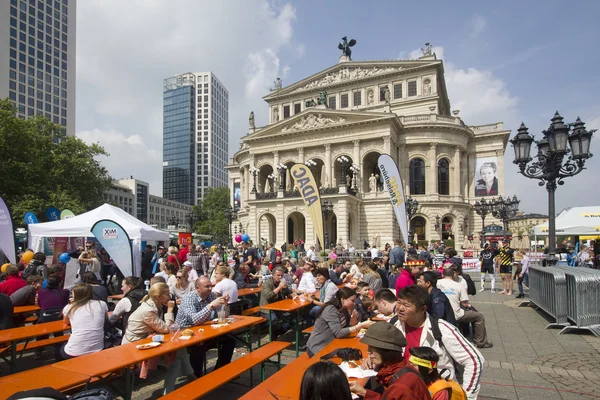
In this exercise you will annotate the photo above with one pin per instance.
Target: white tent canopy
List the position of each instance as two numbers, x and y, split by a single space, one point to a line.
81 225
578 221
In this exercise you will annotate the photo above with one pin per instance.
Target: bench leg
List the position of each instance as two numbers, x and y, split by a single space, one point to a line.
262 372
251 377
13 357
297 333
270 326
278 361
128 385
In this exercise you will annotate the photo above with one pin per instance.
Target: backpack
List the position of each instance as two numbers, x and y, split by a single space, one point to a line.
458 393
471 289
435 329
32 268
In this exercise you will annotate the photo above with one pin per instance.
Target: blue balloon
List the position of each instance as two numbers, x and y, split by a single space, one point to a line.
245 237
64 258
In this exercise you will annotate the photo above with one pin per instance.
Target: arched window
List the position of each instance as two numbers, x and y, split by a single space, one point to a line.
417 176
417 225
443 177
447 228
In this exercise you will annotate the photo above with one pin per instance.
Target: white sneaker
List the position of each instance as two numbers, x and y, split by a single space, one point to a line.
493 291
482 289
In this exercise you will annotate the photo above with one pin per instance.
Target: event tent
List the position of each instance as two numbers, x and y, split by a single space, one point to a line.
577 221
81 225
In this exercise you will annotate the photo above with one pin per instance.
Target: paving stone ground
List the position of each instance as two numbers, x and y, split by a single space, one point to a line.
527 361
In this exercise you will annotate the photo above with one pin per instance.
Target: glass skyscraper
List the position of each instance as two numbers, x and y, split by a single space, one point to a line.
195 135
37 58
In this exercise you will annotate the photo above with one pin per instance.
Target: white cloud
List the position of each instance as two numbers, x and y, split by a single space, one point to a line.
477 25
122 59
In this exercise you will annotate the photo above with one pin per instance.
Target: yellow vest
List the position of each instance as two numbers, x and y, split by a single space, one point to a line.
458 393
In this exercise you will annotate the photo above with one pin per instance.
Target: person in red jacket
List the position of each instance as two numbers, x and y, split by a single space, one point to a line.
386 353
183 254
12 282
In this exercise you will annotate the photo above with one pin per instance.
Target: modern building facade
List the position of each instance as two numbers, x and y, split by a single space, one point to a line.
37 58
166 213
195 135
121 196
339 121
141 192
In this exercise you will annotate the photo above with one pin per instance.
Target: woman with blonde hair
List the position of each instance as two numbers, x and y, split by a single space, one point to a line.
173 256
171 271
182 285
162 271
149 319
86 317
90 259
371 277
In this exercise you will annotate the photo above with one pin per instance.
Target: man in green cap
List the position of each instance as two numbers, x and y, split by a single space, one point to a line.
386 354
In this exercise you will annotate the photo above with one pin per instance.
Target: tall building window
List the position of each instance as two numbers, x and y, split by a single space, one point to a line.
286 111
332 102
443 177
398 91
357 98
417 225
297 108
412 88
344 101
417 176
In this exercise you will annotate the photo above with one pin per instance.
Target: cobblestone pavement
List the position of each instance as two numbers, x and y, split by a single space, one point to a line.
527 361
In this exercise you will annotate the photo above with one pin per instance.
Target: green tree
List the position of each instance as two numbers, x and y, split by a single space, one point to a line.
209 215
42 167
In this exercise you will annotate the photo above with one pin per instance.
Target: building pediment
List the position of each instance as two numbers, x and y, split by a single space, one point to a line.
317 118
343 73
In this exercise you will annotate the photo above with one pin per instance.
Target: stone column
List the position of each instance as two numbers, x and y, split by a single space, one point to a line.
500 171
341 210
275 161
301 155
431 170
358 161
455 187
464 175
328 164
387 144
402 167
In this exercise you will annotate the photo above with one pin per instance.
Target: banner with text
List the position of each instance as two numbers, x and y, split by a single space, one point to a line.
7 233
116 242
53 214
309 190
185 238
393 185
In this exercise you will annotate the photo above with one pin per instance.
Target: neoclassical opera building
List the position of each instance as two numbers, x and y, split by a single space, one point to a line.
338 121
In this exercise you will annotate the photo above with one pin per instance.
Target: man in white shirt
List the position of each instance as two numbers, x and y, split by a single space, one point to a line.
463 311
374 252
192 274
310 254
308 283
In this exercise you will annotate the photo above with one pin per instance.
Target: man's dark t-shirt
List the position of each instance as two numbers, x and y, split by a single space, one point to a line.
250 252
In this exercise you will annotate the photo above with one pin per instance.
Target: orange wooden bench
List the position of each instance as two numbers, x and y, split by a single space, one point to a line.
309 329
206 384
251 311
31 319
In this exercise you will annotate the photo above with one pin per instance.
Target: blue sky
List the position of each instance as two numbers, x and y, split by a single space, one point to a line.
505 61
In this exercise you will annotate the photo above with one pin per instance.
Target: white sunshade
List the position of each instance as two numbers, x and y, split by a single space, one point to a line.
579 221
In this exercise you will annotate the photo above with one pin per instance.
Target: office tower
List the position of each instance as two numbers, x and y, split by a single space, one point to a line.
195 135
37 58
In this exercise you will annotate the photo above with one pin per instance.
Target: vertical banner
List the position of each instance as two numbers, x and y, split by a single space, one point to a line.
66 214
309 190
7 233
116 242
185 238
53 214
393 184
60 246
30 218
237 196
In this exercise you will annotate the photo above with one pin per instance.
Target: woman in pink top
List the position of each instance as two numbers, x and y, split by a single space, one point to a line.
409 272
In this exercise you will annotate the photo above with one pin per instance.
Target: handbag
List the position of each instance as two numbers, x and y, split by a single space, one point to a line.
345 353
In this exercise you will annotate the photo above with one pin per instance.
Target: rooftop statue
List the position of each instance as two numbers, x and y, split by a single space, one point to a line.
345 47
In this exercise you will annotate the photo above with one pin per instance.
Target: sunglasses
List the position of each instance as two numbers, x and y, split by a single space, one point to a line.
179 277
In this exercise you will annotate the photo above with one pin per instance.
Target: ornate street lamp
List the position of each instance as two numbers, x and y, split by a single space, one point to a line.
483 208
411 205
272 177
355 169
505 209
327 210
437 223
550 165
282 170
254 171
344 161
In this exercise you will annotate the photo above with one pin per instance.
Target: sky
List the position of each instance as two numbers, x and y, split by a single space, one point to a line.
509 61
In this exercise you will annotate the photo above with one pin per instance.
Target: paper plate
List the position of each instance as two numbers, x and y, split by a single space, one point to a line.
147 346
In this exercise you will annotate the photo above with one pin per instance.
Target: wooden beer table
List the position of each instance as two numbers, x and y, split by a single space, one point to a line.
289 306
120 358
285 383
46 376
25 309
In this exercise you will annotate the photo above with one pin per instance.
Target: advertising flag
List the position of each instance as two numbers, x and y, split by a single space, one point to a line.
30 218
53 214
66 214
7 233
393 185
309 190
185 238
116 242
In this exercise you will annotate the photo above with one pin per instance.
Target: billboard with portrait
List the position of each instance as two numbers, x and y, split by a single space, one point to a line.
486 176
237 195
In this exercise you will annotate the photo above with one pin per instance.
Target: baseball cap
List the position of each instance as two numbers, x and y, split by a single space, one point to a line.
187 264
384 335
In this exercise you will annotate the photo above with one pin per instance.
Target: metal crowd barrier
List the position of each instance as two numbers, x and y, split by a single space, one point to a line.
548 291
583 306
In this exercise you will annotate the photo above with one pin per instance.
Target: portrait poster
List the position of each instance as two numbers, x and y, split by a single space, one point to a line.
486 176
237 195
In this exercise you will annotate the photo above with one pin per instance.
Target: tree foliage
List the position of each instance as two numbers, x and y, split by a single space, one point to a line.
42 167
209 215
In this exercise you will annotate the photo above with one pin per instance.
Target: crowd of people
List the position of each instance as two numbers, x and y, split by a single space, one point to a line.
422 292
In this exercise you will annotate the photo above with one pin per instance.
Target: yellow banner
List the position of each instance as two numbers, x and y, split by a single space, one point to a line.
309 190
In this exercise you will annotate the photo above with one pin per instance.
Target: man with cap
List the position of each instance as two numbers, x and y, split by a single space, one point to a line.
192 274
506 259
386 355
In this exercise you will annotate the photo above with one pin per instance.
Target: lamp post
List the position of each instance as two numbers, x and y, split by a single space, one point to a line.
231 215
254 171
272 177
327 210
355 169
411 206
282 170
344 161
483 208
550 165
505 209
437 223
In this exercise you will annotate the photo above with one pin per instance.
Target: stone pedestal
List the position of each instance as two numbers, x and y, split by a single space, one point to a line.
344 59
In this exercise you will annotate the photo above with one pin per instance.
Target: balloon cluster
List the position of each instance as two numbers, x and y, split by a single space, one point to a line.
27 257
242 238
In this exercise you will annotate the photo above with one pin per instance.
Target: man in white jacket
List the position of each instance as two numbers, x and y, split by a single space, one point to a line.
420 330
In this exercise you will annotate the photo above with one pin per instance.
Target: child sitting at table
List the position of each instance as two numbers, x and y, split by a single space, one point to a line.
367 309
424 360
